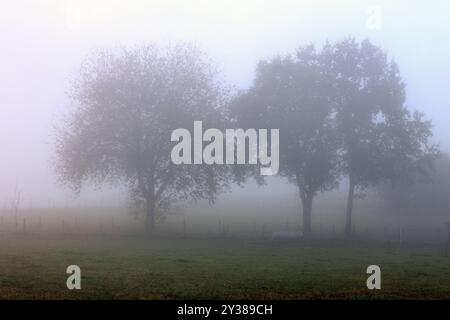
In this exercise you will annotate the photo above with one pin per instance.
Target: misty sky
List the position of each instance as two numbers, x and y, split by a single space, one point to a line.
44 42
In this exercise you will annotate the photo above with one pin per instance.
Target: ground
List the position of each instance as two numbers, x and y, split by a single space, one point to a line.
126 267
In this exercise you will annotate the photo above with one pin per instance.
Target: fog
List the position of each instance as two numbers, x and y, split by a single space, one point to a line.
45 42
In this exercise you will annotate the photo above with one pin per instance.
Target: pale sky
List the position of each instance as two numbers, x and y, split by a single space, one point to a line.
44 42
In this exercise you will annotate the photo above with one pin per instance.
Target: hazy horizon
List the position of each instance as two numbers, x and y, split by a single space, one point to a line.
46 42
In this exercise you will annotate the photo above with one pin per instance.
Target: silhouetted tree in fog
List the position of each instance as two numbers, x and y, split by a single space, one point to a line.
339 109
428 197
127 104
293 94
380 138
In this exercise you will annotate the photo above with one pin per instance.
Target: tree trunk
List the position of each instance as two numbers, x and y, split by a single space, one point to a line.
149 215
307 209
348 220
147 189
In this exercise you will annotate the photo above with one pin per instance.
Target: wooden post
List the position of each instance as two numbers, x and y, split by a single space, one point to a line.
448 241
226 230
224 227
76 224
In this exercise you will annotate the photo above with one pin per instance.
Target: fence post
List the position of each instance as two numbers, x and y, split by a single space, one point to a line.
448 241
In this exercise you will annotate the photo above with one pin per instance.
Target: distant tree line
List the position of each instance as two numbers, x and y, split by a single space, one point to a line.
340 110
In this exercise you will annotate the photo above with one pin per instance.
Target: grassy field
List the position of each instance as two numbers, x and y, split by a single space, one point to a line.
125 267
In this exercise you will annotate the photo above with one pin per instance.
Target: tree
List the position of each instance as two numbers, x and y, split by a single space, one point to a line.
428 191
381 139
127 104
293 94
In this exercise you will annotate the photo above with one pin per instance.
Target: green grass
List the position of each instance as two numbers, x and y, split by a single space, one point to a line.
33 267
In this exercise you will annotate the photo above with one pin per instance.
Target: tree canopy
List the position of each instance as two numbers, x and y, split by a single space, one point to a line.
381 138
127 103
293 94
341 112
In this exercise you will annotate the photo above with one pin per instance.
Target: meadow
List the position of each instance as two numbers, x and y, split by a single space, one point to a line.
33 266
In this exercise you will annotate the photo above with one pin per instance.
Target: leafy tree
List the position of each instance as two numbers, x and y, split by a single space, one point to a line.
293 94
127 104
381 139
